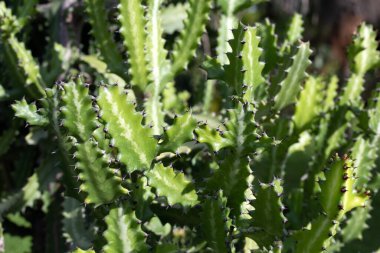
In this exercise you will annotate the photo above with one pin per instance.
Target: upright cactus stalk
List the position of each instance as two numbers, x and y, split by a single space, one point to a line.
335 204
104 38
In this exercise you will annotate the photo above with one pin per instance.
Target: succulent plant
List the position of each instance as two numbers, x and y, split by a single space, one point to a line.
287 163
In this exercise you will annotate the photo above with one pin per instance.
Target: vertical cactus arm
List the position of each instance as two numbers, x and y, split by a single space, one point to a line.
268 208
124 233
52 104
331 194
363 52
242 130
29 113
337 197
97 15
78 115
357 223
233 174
269 45
174 186
295 29
290 87
74 229
335 124
363 55
252 65
208 95
234 70
352 198
21 61
228 22
158 66
135 143
13 68
232 178
353 90
133 23
179 133
214 226
9 26
294 32
28 65
310 103
98 181
364 154
195 24
158 63
331 94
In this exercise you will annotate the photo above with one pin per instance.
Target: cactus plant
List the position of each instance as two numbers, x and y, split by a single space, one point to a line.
286 163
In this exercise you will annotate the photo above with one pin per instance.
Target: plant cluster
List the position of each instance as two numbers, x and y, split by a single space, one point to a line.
267 158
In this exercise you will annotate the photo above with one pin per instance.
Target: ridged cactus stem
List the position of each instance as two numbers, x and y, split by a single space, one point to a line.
27 68
133 23
159 66
337 197
108 48
185 47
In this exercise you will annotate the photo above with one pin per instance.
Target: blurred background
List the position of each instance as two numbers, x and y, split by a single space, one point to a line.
329 23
